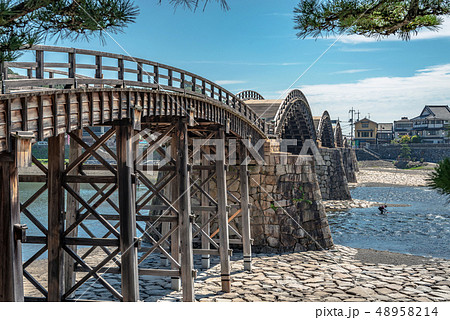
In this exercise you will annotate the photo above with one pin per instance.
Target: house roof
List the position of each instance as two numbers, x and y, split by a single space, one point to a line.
434 112
385 126
365 120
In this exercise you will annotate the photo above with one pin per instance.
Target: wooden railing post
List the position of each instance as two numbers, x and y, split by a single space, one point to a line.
55 217
127 208
156 76
99 67
187 256
40 64
11 274
140 72
223 213
72 58
246 236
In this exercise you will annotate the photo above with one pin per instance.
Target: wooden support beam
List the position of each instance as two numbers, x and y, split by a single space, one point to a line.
223 213
72 206
127 207
187 257
55 217
11 274
205 214
246 236
174 197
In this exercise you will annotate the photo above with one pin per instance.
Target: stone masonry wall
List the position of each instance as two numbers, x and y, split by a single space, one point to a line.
332 176
429 152
287 213
350 164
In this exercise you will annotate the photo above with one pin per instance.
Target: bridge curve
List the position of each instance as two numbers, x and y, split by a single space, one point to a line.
49 105
338 136
325 131
249 95
294 120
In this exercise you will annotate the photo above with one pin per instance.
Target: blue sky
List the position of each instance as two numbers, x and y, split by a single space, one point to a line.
253 46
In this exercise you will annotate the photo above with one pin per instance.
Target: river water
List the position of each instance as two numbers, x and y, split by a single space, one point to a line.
422 228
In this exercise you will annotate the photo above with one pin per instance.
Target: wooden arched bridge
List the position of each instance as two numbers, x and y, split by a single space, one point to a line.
145 111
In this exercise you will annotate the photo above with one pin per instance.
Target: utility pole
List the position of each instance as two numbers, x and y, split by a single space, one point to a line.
357 116
352 113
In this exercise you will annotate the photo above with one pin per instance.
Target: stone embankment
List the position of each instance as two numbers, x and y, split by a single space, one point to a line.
343 274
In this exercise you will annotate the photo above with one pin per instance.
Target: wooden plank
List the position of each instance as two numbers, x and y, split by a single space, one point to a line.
187 258
55 217
127 207
223 214
11 275
244 186
97 242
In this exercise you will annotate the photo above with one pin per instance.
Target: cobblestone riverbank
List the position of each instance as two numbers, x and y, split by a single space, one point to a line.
343 274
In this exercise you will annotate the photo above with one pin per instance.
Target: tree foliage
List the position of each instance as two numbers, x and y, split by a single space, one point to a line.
370 18
440 178
24 23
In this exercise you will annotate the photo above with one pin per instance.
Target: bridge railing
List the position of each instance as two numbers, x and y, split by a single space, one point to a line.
118 71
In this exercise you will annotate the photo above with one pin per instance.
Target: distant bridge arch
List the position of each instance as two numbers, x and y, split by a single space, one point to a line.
325 131
338 136
249 95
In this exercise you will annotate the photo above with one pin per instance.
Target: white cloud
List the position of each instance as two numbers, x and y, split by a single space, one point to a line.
424 34
228 82
352 71
385 98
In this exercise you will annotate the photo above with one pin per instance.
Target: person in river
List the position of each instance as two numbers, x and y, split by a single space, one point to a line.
382 209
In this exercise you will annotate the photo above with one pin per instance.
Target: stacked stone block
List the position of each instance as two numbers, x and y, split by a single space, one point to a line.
287 213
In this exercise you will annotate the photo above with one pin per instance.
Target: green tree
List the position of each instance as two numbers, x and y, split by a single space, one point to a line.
415 139
439 179
370 18
405 139
24 23
405 152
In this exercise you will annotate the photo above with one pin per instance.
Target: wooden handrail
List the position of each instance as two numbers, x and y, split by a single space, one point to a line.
197 84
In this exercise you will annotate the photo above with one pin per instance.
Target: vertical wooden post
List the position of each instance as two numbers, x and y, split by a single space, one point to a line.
223 213
205 214
55 217
187 256
245 211
175 237
39 64
71 213
127 208
11 274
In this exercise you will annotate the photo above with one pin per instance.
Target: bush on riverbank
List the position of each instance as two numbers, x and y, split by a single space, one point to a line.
440 177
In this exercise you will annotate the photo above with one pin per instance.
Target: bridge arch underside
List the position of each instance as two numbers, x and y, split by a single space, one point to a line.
298 124
338 137
49 113
325 131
